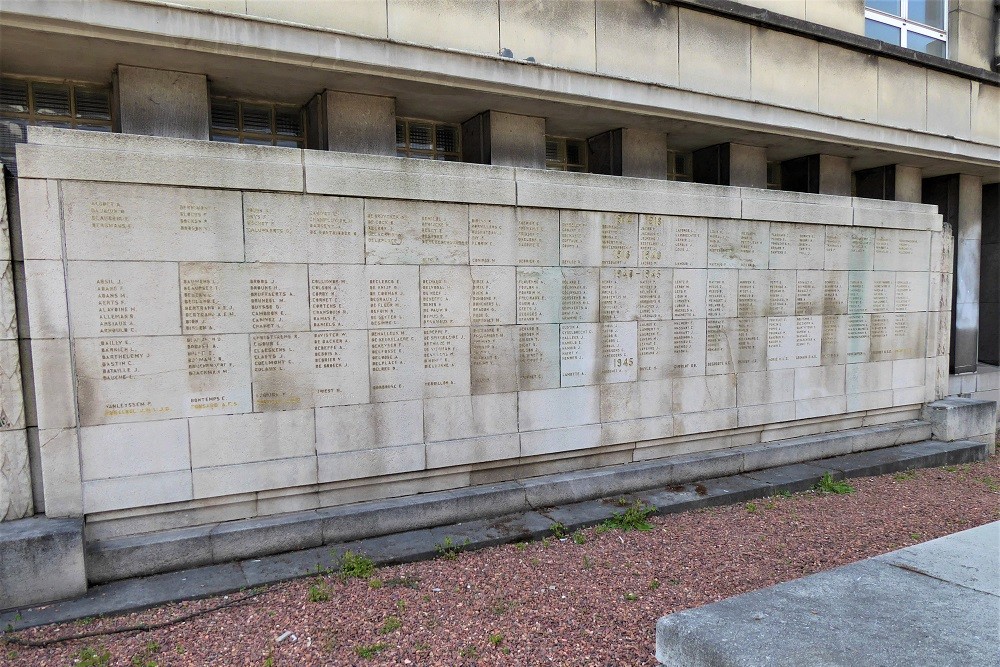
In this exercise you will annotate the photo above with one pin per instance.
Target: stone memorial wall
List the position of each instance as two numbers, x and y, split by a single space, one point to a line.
218 341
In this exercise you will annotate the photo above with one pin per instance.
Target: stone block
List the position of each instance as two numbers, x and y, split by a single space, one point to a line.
956 418
902 94
356 123
985 105
161 103
123 299
118 158
122 493
797 450
45 315
234 439
414 232
463 417
784 69
254 476
948 107
12 410
356 175
152 553
368 426
505 236
848 82
553 440
462 25
553 408
59 452
15 476
622 24
561 34
802 207
573 487
250 538
363 17
371 463
795 477
40 232
505 139
473 450
54 401
704 465
302 228
714 54
41 560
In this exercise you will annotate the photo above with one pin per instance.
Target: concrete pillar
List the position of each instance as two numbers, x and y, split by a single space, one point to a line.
630 152
161 103
504 139
818 174
731 164
960 199
352 123
989 278
894 182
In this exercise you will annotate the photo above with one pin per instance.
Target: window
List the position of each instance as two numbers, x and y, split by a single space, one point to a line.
920 25
564 154
428 140
773 175
679 166
261 123
83 106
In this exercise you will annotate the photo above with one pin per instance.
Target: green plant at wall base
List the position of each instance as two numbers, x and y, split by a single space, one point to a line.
579 537
319 592
751 507
558 530
827 484
634 518
631 597
88 657
356 565
449 549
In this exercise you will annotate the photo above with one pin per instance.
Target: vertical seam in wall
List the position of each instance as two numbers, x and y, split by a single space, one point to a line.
499 31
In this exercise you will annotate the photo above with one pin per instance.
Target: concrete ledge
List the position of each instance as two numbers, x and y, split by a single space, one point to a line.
955 418
40 560
140 555
422 543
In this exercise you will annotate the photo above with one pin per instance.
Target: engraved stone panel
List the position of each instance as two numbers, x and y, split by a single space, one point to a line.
722 293
883 338
859 338
810 292
446 362
619 294
240 298
690 293
753 294
619 341
581 289
303 228
538 356
656 233
737 244
340 368
502 235
835 292
123 299
494 295
834 340
282 371
539 295
619 239
117 221
811 250
911 292
579 238
909 335
751 350
860 292
783 249
721 346
396 364
580 354
494 359
218 375
411 232
656 294
686 348
445 296
337 297
393 296
690 242
781 295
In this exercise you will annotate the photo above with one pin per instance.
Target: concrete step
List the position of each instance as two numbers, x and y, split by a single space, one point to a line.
412 545
141 555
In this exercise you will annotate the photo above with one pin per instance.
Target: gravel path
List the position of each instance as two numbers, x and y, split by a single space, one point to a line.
556 602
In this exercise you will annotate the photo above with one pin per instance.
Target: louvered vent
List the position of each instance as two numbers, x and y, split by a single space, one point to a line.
92 104
288 123
14 96
225 115
51 99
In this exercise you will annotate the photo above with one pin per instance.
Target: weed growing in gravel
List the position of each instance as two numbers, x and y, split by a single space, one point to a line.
370 651
468 652
269 660
319 592
496 639
180 650
915 536
391 625
422 646
375 583
144 658
401 605
521 546
449 549
406 581
631 597
501 607
558 530
634 518
751 507
356 565
991 484
546 542
587 564
86 620
579 537
784 493
88 657
654 584
950 468
904 476
827 484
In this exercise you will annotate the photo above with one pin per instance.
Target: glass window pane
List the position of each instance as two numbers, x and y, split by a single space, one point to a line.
421 136
287 122
14 96
887 6
51 99
446 138
224 115
924 44
91 103
225 138
882 32
928 12
574 152
256 119
552 152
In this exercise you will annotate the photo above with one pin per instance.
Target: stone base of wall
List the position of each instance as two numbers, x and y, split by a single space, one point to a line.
41 560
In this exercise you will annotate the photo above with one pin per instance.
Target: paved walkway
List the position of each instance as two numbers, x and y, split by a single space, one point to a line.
936 603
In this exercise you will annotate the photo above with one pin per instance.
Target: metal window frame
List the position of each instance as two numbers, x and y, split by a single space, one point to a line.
433 153
672 173
906 26
273 137
564 164
32 117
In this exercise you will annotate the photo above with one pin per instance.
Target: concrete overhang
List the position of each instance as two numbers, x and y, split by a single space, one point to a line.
256 58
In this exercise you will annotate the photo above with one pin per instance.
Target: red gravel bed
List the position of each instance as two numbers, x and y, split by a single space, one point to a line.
547 603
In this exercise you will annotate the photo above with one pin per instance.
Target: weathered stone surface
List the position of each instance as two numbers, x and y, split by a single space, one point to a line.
41 560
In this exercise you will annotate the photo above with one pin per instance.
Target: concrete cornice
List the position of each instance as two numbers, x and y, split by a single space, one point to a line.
213 34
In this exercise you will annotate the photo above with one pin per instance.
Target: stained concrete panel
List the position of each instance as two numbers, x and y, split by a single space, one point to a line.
784 69
902 94
560 33
622 25
458 24
714 54
363 17
848 83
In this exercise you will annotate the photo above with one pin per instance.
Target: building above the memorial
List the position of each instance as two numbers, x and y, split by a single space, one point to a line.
270 261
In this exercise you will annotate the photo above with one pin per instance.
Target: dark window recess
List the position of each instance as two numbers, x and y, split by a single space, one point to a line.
261 123
564 154
24 102
428 140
